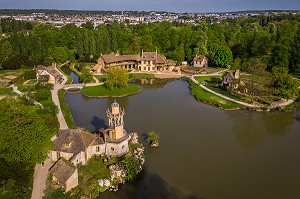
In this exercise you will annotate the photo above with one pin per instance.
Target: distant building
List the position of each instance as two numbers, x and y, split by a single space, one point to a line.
231 79
74 147
145 62
48 75
200 61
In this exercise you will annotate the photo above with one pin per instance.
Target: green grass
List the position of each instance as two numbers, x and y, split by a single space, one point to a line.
205 96
209 79
140 76
70 79
26 88
66 109
102 91
7 91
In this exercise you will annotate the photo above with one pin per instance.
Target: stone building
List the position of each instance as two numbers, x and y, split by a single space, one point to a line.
231 79
200 61
76 146
65 174
48 75
145 62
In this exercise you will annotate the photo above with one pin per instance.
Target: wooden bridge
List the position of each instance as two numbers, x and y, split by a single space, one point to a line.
73 86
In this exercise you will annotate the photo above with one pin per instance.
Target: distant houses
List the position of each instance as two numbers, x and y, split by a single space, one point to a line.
48 75
231 80
200 61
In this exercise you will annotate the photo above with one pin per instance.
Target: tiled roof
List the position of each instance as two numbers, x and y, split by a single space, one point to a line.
62 170
75 141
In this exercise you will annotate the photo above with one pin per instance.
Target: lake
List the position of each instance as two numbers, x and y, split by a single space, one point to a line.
204 152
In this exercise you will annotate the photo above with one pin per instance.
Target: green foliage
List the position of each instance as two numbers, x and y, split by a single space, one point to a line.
116 78
5 50
131 167
86 76
24 136
283 83
59 54
29 74
223 57
152 136
41 95
102 91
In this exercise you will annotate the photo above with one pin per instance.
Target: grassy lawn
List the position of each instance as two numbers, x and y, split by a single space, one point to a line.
140 76
209 79
102 91
7 91
26 88
66 110
205 96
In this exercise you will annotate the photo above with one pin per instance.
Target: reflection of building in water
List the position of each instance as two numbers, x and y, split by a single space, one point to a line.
74 147
153 83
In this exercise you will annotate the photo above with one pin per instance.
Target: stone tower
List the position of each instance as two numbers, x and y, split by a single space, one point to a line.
115 121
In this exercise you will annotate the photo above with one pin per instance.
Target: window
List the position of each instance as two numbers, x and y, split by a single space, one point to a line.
112 148
153 68
123 147
97 149
145 68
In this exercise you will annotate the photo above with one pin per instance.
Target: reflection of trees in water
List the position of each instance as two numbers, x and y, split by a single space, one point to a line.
247 128
153 83
251 128
148 186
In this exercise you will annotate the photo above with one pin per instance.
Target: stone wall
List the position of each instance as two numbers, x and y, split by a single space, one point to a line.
117 149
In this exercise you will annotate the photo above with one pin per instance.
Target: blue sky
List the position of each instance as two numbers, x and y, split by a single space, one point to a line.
157 5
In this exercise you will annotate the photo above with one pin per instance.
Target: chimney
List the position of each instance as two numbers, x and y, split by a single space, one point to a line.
156 54
142 53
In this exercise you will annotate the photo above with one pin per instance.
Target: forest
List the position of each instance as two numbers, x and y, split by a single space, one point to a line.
274 41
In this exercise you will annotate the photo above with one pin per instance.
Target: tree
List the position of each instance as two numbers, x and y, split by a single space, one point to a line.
116 78
59 54
223 57
86 76
5 50
284 85
24 137
132 167
255 67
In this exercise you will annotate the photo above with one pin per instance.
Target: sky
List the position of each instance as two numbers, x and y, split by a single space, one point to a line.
200 6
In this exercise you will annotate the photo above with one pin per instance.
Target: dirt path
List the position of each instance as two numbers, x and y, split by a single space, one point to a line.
40 178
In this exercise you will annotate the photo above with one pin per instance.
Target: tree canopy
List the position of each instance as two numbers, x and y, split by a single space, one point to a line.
116 78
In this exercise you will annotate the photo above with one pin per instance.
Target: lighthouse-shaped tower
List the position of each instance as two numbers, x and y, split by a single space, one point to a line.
117 142
115 121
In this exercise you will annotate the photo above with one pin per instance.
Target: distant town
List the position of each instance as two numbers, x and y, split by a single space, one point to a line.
61 17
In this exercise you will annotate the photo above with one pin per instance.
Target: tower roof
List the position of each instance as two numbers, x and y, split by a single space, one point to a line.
115 104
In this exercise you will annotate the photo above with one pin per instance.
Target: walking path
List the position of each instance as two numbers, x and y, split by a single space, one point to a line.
223 96
40 173
40 178
274 105
15 89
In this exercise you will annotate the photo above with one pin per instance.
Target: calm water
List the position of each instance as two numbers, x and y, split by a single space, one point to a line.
68 71
205 152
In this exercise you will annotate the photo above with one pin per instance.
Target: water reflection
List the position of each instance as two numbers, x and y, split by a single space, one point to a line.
149 186
251 128
153 83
